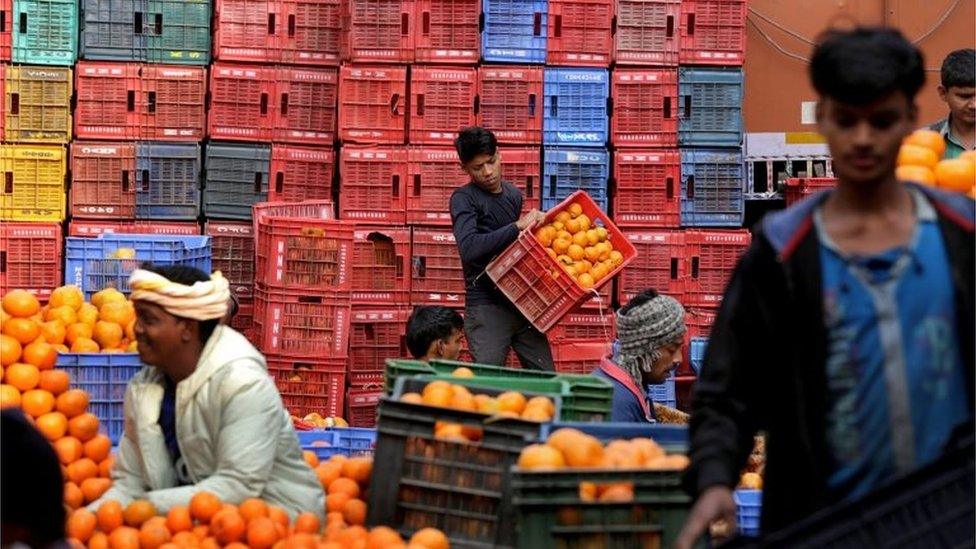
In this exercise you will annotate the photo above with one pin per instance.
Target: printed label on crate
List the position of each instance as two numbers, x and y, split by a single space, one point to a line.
35 153
374 316
13 230
590 137
587 57
230 229
641 218
96 150
644 237
455 54
445 75
581 76
444 298
295 153
44 74
315 56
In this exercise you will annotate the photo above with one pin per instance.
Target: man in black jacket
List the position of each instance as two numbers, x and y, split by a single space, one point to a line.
485 213
846 331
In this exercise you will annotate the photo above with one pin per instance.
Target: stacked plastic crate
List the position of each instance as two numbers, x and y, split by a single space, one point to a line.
35 125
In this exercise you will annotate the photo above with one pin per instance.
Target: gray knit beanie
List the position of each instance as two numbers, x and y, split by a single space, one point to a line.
642 330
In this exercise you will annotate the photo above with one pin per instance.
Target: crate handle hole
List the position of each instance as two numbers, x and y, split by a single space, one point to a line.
400 262
125 181
674 268
558 31
271 23
669 187
420 267
416 184
257 182
23 22
554 106
537 24
667 107
695 264
3 20
477 104
420 104
279 182
529 185
8 182
130 100
137 22
291 26
552 185
395 104
691 187
15 103
309 299
145 180
533 101
396 186
669 25
264 103
284 104
369 333
426 23
405 24
159 24
687 112
3 261
691 23
152 101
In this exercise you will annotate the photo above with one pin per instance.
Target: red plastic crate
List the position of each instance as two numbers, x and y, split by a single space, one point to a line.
660 265
442 101
304 254
172 102
106 100
585 326
447 31
243 321
578 357
601 302
361 406
645 108
308 386
712 256
380 273
713 32
232 245
647 32
6 22
648 188
313 209
241 102
311 33
436 274
103 180
295 324
434 175
300 173
247 30
699 321
510 103
523 272
798 188
305 106
377 31
373 184
30 257
579 33
521 166
95 228
374 336
372 104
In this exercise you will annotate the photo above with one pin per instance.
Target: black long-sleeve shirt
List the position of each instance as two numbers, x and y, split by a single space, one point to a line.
484 225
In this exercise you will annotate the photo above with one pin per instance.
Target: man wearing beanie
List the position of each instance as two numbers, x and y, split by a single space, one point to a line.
650 333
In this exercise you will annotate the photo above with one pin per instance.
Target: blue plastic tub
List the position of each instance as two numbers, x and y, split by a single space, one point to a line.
567 170
709 107
167 181
515 31
673 438
347 441
104 377
663 393
711 188
748 511
89 264
696 353
575 107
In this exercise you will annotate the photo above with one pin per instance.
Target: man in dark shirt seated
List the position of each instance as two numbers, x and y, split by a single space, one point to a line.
485 214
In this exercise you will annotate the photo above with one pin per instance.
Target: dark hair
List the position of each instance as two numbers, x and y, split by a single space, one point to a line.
959 69
638 300
186 275
428 324
473 141
865 64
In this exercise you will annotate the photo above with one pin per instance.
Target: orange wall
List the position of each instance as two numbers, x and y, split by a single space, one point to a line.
776 84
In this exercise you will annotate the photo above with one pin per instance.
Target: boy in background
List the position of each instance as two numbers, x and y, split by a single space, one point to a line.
434 332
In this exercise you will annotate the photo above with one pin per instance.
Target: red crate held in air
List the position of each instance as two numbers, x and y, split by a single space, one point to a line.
437 277
521 167
441 103
300 173
524 271
310 385
84 227
301 325
659 265
647 32
713 32
311 32
648 188
375 335
377 31
712 256
645 108
306 103
247 30
380 269
241 99
373 184
106 100
579 33
103 180
303 254
447 31
510 103
372 104
434 175
30 257
232 245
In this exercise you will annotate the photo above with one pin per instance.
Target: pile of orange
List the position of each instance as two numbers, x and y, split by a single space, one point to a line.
31 383
919 161
581 248
571 448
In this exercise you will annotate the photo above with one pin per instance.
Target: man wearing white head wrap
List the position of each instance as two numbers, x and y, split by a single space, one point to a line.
650 334
203 414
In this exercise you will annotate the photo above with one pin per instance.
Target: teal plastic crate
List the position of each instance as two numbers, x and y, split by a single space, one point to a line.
179 32
45 32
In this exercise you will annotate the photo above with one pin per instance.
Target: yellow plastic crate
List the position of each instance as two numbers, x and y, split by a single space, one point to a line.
37 104
32 187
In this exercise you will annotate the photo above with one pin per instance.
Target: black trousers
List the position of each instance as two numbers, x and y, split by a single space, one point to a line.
492 329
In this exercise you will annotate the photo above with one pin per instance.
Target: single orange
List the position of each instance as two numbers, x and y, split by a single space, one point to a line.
334 502
929 139
153 535
137 512
354 512
98 448
541 457
64 314
72 402
307 523
10 350
73 496
40 354
69 295
83 426
431 538
511 401
84 345
310 458
358 469
37 402
252 508
81 525
105 467
99 540
23 377
21 303
9 396
228 526
203 506
81 470
383 537
109 516
54 381
23 330
179 519
261 533
94 488
278 515
69 449
124 537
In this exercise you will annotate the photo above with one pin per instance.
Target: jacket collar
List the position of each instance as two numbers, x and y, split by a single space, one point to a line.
616 373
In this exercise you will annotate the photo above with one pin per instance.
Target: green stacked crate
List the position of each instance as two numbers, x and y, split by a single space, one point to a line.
45 32
180 32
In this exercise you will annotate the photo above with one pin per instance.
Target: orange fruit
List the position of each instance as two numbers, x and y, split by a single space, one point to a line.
9 396
463 400
40 354
178 519
462 372
88 315
584 222
72 402
117 312
616 258
124 537
431 538
328 472
107 334
561 245
586 281
69 295
37 402
581 240
137 512
184 539
383 537
358 469
307 523
252 508
412 398
574 209
69 449
20 303
98 448
334 502
618 493
64 314
105 466
344 485
536 413
956 175
261 533
310 458
105 296
73 496
84 345
929 139
203 506
575 252
81 470
449 431
77 330
572 226
99 540
438 393
585 451
81 525
541 457
93 488
201 531
511 401
916 174
23 377
564 216
592 253
153 535
914 155
84 426
109 516
10 350
278 515
545 235
228 526
54 381
354 512
23 330
647 448
52 425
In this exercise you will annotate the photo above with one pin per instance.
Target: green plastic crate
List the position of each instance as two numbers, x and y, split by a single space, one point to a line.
180 31
45 32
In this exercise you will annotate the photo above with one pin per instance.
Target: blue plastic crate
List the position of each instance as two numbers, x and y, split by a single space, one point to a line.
673 438
515 31
45 32
711 188
167 181
575 107
663 393
567 170
710 107
748 511
104 377
88 263
348 441
696 353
